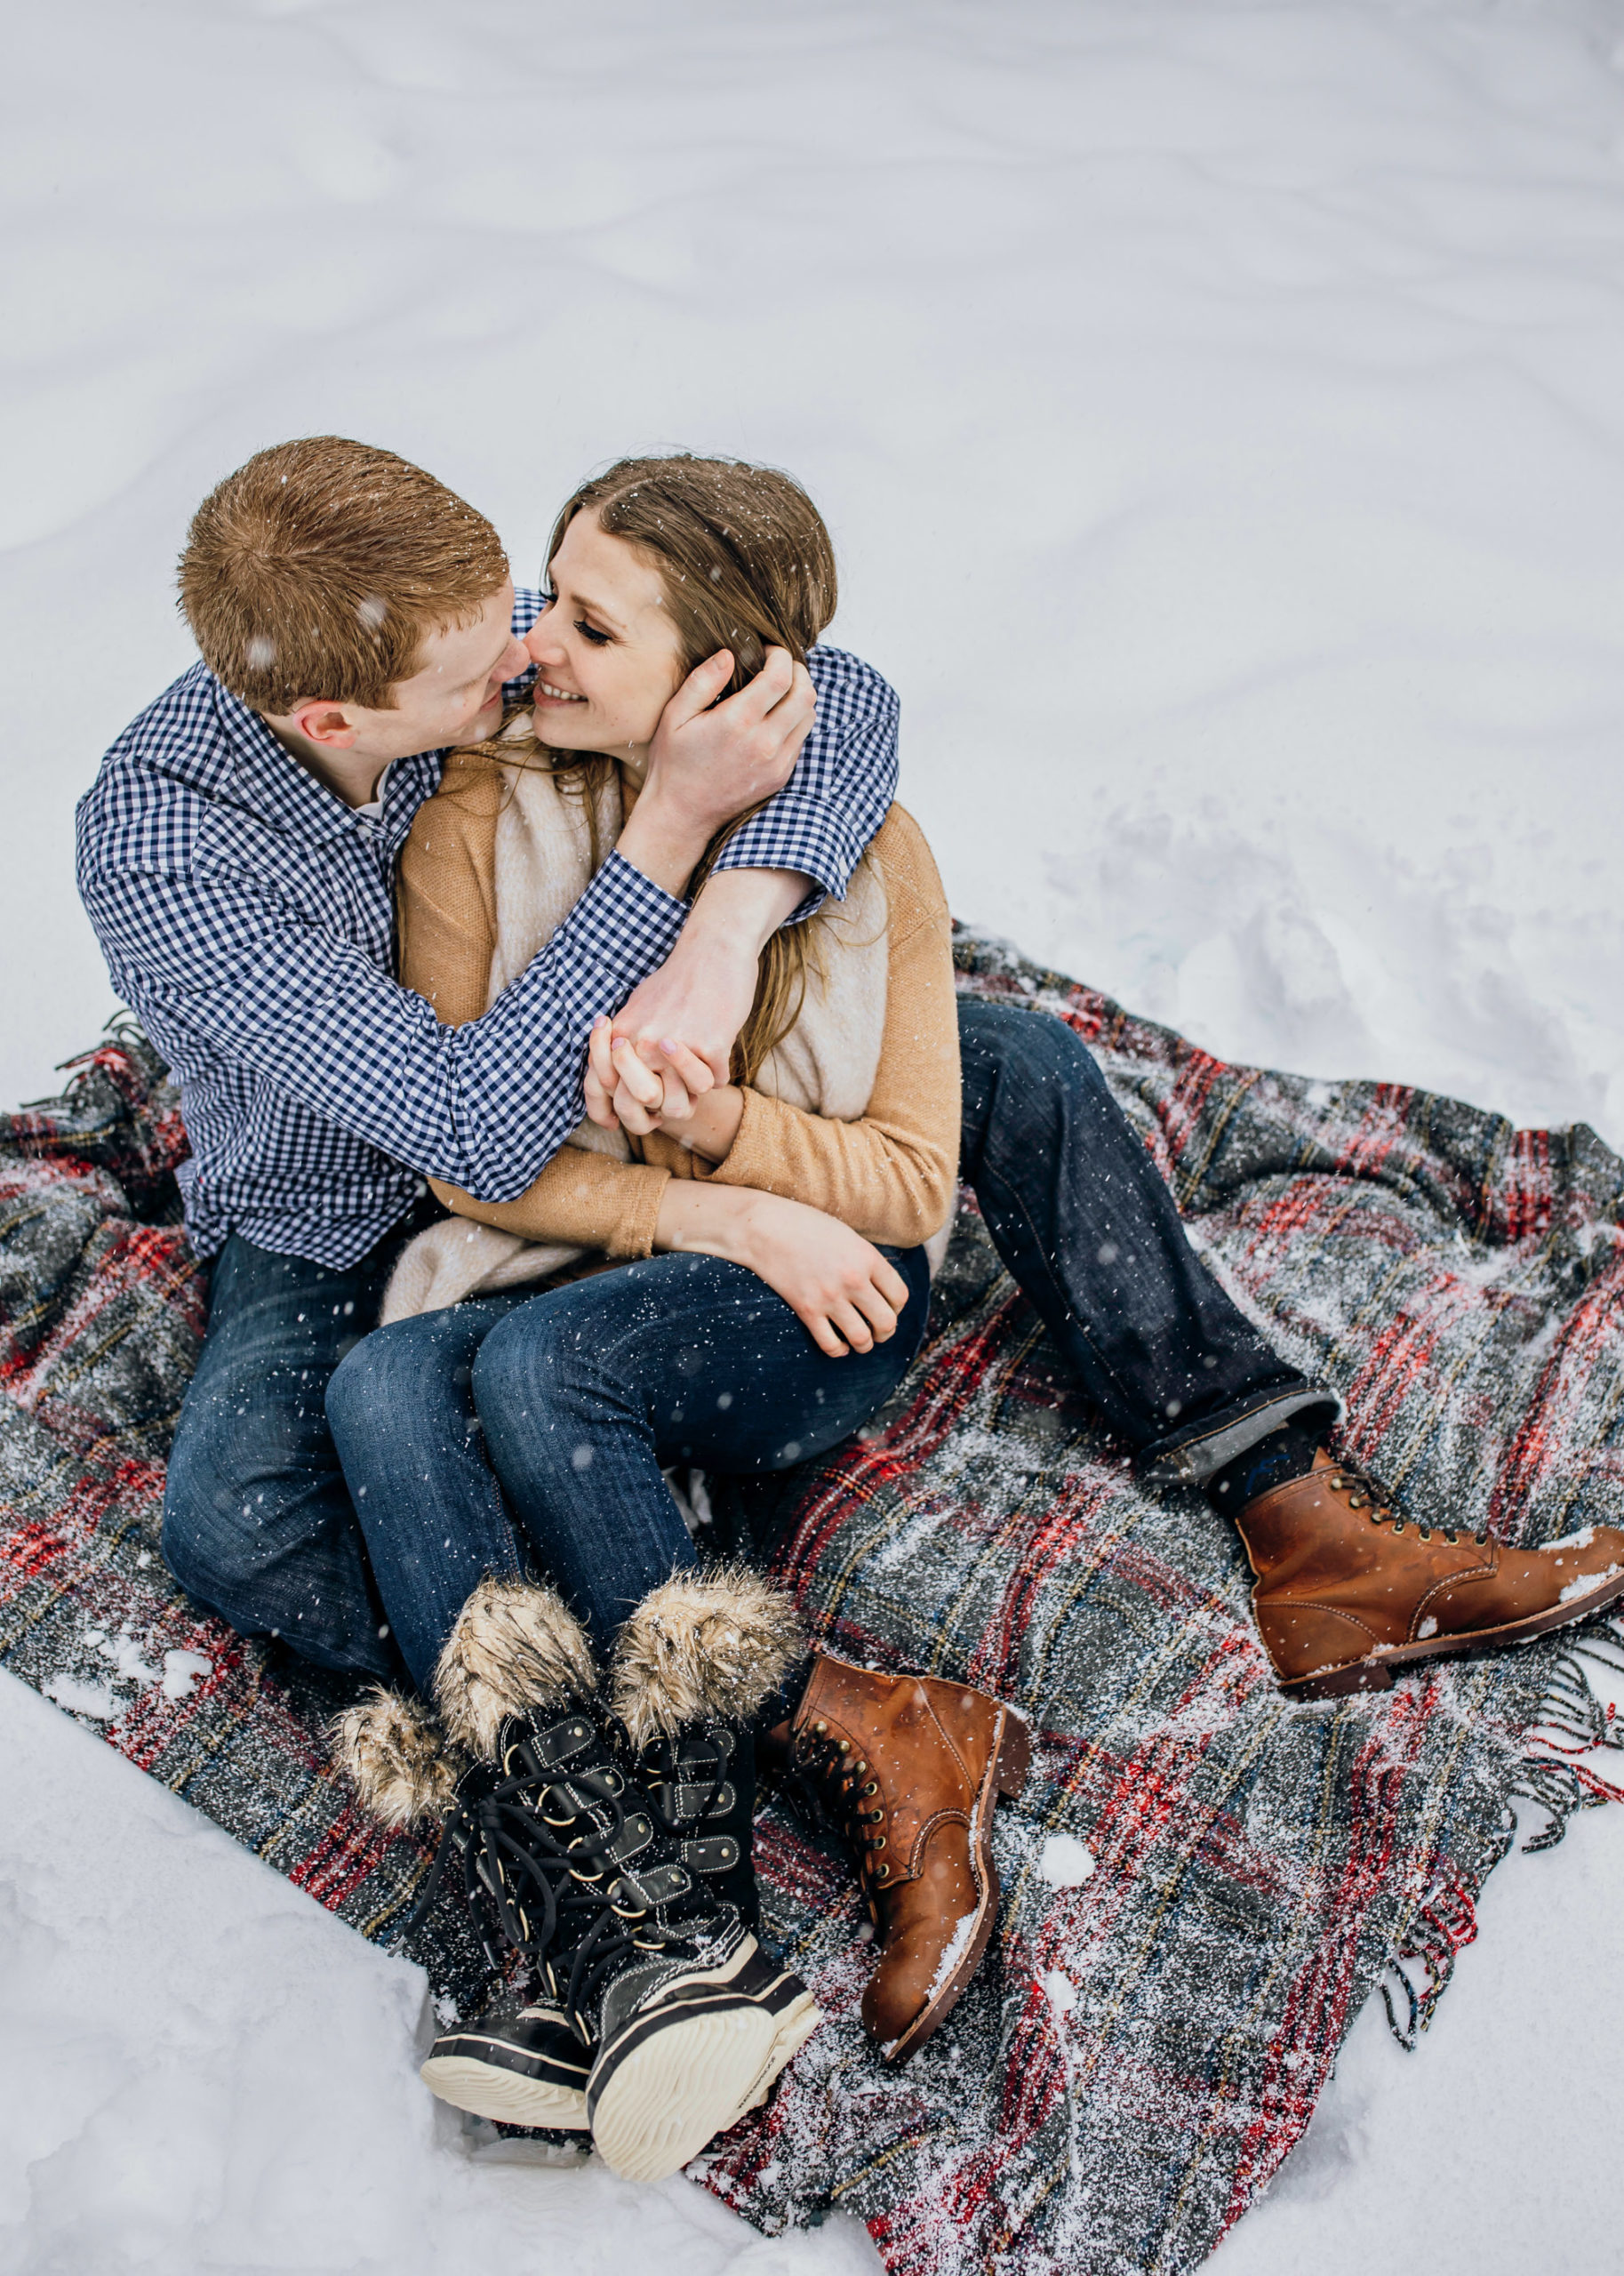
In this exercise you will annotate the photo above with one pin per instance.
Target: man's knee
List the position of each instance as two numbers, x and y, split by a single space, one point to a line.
252 1445
209 1514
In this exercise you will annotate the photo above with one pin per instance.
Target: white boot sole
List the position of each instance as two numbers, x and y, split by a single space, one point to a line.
691 2081
506 2097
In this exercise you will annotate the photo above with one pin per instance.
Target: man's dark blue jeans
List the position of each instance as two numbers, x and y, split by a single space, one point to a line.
259 1523
1090 1233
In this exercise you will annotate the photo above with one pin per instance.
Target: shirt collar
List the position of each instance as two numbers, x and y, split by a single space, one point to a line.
269 782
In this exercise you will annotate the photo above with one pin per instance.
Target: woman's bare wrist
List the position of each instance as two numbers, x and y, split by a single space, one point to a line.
706 1220
710 1130
662 841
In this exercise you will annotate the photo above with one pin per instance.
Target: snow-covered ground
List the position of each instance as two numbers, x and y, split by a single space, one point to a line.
1220 409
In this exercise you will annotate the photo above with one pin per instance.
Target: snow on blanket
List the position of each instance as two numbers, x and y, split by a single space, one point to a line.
1202 1881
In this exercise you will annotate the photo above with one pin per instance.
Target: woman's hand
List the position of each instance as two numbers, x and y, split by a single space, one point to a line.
623 1089
837 1285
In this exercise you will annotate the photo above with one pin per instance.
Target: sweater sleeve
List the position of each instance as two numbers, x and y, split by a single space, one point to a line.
447 914
590 1200
891 1174
445 891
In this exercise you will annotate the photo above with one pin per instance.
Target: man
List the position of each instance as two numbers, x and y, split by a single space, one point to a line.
236 855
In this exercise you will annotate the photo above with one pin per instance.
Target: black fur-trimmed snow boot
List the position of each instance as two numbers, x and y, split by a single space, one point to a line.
689 1674
642 1971
522 2063
691 1668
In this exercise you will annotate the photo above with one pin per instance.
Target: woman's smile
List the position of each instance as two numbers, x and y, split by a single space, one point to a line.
606 652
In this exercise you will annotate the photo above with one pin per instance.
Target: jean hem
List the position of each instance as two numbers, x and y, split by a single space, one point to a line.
1192 1461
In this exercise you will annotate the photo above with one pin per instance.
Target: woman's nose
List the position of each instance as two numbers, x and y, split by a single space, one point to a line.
536 643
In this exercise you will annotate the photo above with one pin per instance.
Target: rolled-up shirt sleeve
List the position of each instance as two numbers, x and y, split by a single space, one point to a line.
484 1106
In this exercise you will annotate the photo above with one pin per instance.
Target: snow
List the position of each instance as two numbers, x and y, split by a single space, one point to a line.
1588 1583
183 1671
1219 407
1064 1862
1060 1992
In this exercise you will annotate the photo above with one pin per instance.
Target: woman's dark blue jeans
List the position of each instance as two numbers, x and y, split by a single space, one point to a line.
514 1434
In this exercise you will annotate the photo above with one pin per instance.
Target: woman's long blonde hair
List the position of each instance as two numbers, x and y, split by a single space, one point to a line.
747 565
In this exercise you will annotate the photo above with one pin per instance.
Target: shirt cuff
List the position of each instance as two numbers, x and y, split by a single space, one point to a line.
798 833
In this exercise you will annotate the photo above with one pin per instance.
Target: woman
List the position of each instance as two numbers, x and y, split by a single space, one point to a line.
768 1239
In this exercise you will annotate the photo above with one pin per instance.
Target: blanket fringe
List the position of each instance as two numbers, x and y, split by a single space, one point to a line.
1572 1722
1416 1978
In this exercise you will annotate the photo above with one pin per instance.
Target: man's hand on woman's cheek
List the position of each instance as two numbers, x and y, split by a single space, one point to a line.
711 760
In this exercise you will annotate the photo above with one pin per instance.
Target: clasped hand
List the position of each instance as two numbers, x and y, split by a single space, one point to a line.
679 1096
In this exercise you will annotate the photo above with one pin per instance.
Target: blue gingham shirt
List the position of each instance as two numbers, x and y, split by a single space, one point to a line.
246 915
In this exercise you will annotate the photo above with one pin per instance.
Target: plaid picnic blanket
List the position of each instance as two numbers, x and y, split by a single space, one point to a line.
1203 1881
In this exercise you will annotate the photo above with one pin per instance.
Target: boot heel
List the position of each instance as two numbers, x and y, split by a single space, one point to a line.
1014 1755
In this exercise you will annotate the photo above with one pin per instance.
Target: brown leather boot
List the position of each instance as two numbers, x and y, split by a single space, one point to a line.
1348 1592
911 1767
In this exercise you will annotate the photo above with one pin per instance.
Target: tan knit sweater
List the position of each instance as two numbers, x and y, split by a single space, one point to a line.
890 1176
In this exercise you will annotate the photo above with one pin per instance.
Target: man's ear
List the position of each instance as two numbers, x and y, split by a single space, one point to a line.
324 723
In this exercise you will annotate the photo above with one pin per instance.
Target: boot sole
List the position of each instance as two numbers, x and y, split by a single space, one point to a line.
1006 1774
505 2096
1377 1674
670 2086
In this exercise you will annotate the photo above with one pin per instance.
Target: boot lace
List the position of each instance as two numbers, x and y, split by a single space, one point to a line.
846 1787
536 1857
1362 1494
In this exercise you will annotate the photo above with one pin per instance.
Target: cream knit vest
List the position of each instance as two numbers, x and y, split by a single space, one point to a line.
826 1064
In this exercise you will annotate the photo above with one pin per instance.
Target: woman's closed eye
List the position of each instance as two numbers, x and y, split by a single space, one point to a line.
591 632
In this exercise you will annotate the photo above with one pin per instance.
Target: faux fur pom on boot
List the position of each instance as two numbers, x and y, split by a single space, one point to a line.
393 1755
703 1648
516 1649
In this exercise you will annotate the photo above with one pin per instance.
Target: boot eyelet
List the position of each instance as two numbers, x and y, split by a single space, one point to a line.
821 1729
882 1872
880 1844
1426 1533
843 1746
873 1787
860 1769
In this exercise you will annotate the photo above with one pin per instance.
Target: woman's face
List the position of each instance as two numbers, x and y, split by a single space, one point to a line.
605 650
